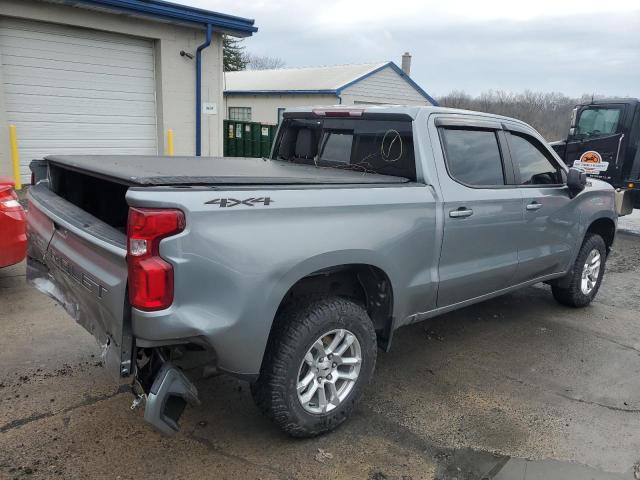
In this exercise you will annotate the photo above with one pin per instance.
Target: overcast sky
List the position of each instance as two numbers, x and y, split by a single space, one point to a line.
568 46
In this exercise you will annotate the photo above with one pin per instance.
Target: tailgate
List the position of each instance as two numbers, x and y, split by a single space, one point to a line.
80 261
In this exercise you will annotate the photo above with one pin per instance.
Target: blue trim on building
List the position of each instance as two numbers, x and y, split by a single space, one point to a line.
362 77
399 71
206 44
338 91
181 13
280 92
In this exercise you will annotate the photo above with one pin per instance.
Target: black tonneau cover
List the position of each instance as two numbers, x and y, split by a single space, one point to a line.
156 170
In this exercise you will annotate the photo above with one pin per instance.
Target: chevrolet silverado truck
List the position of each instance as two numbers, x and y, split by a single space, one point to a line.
290 272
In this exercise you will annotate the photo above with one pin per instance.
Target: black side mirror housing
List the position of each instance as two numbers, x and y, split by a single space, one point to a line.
576 180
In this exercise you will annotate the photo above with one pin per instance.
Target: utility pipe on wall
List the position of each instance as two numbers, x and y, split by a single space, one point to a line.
199 89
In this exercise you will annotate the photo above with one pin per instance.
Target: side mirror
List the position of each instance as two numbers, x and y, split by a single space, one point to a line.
574 117
576 180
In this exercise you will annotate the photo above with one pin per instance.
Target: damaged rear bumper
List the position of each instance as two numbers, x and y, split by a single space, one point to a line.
167 398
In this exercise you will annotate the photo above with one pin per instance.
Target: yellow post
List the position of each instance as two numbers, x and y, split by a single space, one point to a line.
15 156
170 142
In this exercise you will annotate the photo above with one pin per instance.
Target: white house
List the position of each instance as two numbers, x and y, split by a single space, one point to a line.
262 95
111 76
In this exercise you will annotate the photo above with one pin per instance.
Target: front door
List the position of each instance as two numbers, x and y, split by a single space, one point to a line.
549 233
596 141
481 212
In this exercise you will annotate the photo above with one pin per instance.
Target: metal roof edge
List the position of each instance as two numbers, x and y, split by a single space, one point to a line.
396 69
173 11
280 92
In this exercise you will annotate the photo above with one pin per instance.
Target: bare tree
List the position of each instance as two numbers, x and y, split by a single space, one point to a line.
547 112
257 62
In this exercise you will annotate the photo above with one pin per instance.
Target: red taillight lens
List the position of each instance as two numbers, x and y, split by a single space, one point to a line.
8 199
150 277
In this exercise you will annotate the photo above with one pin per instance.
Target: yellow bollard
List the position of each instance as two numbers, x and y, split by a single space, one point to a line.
170 142
15 156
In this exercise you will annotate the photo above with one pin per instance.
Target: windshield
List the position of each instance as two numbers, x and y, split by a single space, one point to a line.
598 121
370 146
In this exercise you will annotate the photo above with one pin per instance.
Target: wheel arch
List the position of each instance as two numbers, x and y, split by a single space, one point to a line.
366 282
606 228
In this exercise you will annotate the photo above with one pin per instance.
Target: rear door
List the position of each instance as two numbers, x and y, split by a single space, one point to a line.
482 210
551 220
81 262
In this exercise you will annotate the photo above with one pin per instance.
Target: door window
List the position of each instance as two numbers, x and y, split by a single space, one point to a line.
533 163
598 121
473 156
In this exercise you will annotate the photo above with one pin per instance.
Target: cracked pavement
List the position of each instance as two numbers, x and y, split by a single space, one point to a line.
516 387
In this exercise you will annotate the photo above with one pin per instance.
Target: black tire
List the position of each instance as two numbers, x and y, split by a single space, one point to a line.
295 331
570 293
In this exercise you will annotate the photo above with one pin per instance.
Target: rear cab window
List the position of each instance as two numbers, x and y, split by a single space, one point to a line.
472 156
367 144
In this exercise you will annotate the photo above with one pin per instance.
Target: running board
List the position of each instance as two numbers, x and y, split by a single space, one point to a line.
169 395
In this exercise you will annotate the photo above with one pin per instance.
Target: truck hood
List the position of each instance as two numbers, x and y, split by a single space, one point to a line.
155 170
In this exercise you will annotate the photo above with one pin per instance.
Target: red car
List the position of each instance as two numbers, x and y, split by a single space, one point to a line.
13 237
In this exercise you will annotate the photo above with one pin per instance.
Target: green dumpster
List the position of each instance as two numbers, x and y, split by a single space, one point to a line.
247 139
239 132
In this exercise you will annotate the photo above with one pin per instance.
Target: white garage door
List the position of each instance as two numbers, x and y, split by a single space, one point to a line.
76 91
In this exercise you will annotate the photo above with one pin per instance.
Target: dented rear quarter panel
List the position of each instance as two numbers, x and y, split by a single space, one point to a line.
234 265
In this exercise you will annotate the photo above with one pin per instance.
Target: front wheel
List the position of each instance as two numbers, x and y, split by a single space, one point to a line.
320 356
586 275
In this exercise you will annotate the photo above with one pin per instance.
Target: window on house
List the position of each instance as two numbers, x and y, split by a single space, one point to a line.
240 114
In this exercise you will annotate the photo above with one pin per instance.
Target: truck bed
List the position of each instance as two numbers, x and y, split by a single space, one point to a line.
138 170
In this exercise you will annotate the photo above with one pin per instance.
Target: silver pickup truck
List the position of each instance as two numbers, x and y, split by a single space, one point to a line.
290 272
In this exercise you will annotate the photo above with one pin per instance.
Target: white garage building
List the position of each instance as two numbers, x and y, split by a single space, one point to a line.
262 95
110 77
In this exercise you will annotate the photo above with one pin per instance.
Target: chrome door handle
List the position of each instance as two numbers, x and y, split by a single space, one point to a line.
534 206
461 212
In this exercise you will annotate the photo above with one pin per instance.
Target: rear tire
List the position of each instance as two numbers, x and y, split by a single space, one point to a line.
584 279
315 346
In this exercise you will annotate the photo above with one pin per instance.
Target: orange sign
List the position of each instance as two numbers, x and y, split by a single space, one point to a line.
591 157
591 162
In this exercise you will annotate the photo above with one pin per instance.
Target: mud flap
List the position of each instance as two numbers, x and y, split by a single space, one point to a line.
170 393
624 202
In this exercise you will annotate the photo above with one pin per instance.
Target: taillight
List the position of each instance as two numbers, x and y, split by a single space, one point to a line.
8 199
150 276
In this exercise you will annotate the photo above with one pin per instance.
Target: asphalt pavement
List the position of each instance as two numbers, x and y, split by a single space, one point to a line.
518 387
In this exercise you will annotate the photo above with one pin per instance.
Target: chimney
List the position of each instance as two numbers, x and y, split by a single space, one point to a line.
406 63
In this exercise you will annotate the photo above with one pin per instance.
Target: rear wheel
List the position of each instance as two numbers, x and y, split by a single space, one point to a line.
320 356
586 275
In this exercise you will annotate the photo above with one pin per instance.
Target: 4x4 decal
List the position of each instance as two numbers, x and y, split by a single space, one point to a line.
232 202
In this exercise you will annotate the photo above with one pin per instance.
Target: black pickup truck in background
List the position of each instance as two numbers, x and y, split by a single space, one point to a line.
604 139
